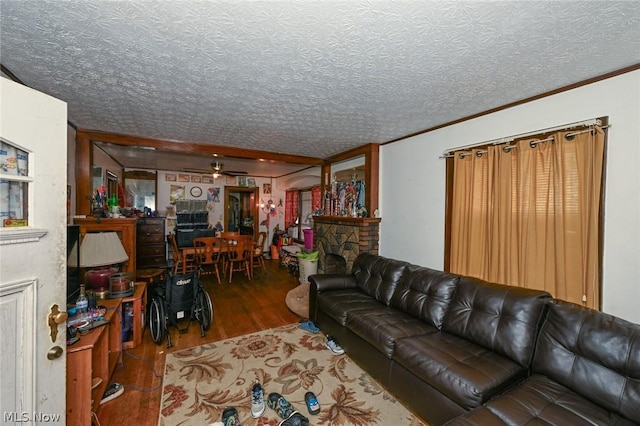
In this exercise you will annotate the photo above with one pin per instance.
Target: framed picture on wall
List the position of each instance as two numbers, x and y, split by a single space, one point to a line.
207 179
266 188
242 181
230 180
182 177
170 177
176 193
251 182
196 178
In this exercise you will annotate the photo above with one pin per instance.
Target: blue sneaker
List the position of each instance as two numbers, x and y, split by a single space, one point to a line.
334 346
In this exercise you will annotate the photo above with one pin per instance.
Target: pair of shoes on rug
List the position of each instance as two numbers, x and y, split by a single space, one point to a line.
308 325
285 410
230 417
334 346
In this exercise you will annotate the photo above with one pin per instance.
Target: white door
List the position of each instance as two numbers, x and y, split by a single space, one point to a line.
33 261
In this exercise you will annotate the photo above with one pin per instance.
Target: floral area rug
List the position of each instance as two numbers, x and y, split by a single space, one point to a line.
200 382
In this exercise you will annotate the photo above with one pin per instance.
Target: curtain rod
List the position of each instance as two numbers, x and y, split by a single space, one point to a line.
500 141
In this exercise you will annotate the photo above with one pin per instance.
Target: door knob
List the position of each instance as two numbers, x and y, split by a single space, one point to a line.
54 353
56 318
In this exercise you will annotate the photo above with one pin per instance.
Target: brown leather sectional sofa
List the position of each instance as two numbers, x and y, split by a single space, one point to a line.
463 351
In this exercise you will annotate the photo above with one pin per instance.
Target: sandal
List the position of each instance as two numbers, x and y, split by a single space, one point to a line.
308 325
312 403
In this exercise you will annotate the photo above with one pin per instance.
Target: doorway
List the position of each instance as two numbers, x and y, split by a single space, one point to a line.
240 209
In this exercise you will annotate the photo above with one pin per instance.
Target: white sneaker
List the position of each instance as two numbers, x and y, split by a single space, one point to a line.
112 392
334 347
257 401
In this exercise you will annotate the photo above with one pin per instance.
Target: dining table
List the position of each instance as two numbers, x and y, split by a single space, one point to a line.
190 252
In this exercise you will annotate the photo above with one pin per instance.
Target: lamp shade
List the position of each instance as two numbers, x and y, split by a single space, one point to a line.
101 249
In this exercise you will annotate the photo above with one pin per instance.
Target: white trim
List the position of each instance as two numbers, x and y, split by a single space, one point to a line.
21 235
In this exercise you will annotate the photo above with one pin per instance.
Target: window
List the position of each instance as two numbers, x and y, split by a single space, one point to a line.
14 185
301 205
527 213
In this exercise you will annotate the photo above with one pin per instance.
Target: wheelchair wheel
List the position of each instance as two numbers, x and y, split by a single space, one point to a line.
204 309
157 321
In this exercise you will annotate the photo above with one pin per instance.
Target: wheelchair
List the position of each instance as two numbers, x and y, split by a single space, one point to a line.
181 298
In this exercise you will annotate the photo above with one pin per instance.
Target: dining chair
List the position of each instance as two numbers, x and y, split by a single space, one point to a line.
208 252
257 258
180 262
227 237
239 255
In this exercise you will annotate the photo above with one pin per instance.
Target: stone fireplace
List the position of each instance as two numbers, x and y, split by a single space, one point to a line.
346 237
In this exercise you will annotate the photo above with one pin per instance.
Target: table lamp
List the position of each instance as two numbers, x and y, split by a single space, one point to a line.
100 251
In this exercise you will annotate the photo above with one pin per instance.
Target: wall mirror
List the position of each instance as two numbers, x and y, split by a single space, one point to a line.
140 190
359 165
112 184
240 209
348 171
97 179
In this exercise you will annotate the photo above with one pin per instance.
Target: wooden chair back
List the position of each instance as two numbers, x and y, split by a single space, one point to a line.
239 254
178 260
208 251
259 249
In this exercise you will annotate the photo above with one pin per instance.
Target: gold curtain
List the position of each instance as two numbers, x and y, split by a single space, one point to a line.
529 216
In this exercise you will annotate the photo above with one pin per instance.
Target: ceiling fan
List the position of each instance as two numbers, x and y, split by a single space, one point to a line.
217 170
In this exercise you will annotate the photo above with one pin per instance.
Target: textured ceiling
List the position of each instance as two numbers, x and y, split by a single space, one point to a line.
310 78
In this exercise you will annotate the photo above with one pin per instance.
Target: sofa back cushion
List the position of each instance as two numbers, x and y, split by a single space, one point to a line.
594 354
425 294
502 318
378 276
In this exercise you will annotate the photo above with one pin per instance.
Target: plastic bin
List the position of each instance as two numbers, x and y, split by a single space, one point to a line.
307 265
308 238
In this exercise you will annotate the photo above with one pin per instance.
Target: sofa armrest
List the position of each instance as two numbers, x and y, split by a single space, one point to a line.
325 282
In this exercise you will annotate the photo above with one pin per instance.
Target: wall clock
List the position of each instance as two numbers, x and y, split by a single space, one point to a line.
196 191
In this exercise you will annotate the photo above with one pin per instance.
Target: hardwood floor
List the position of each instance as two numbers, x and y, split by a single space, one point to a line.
239 308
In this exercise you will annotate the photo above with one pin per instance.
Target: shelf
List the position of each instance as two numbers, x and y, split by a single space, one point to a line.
333 219
95 355
139 302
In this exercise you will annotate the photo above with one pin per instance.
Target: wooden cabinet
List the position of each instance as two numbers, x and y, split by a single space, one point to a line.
95 355
150 243
124 227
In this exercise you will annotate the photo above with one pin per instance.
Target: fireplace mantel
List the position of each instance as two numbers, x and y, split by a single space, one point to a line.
345 236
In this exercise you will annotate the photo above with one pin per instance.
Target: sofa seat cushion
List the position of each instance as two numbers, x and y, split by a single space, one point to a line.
383 327
339 304
463 371
539 400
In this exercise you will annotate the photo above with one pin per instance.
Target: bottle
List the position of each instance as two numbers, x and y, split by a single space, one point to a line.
82 305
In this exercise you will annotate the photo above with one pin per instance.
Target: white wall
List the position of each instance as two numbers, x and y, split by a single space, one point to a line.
412 181
217 209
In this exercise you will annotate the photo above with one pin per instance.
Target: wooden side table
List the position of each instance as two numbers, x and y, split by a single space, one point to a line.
137 306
